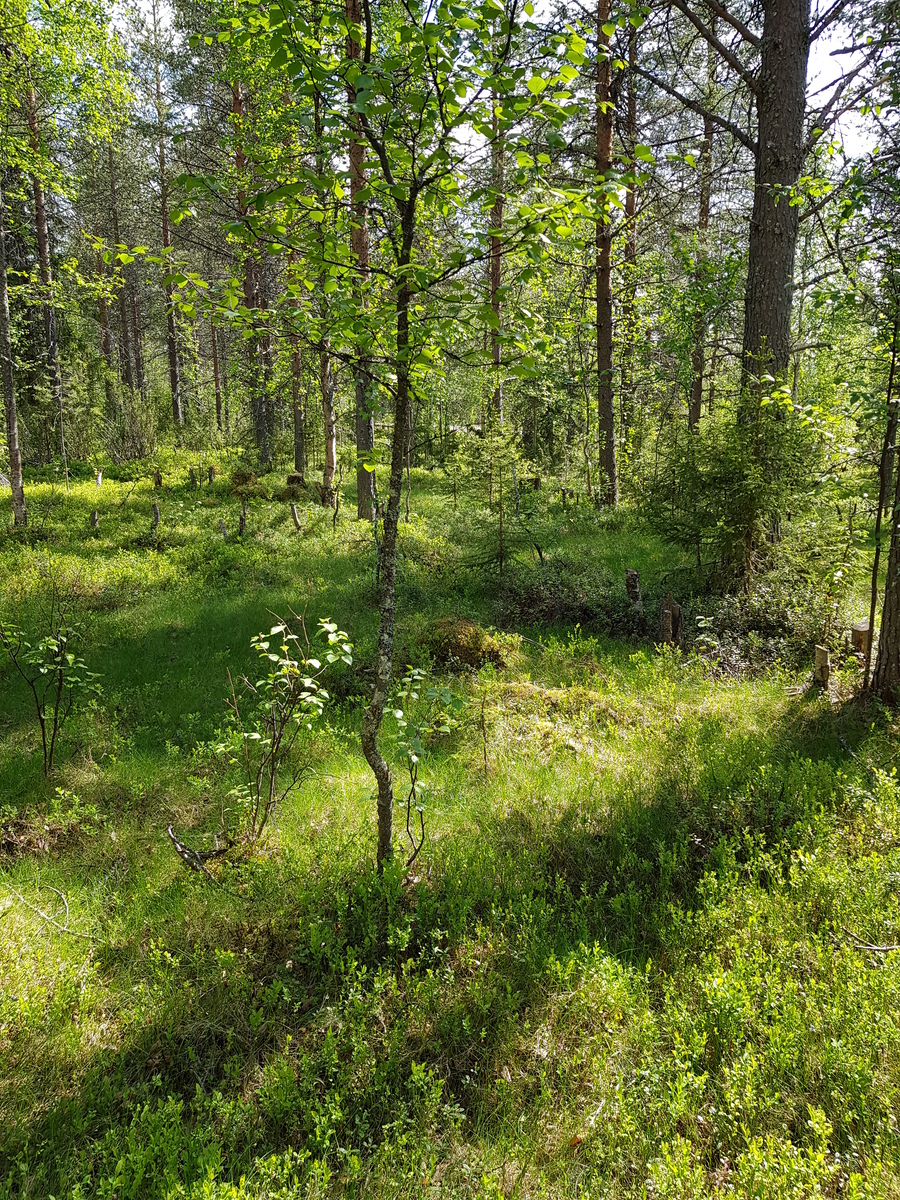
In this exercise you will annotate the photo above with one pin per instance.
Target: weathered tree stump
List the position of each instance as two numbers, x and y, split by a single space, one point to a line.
296 517
192 476
95 519
861 637
633 588
671 622
224 528
99 479
822 670
157 478
154 524
242 523
210 474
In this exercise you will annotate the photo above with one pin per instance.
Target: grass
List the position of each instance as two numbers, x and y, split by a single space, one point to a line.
622 966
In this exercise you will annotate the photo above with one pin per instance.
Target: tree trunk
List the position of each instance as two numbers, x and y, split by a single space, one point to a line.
497 173
126 372
20 512
781 105
886 467
171 328
51 334
106 343
297 406
217 375
387 597
608 487
359 243
326 386
629 291
698 354
136 332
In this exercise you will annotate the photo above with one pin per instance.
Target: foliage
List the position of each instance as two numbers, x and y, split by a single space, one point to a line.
269 716
55 675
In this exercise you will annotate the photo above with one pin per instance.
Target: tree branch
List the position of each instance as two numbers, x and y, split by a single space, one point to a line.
747 34
723 122
729 56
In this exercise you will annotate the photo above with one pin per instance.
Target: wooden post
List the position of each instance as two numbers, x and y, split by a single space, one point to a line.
192 476
95 519
822 671
154 524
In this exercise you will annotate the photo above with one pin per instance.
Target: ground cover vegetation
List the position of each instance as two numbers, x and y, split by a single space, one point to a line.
442 444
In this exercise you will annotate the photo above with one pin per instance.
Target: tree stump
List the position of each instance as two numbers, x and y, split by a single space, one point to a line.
861 637
95 519
242 523
157 478
296 517
210 474
224 528
671 622
99 480
154 524
633 588
192 476
822 671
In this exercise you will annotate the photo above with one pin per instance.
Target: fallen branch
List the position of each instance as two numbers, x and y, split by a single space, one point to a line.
87 937
196 860
859 944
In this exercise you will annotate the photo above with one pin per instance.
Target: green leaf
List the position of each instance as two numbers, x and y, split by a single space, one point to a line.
536 84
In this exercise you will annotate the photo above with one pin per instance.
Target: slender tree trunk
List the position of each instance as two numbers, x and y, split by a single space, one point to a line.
387 598
629 291
217 375
106 343
888 663
126 372
496 264
297 406
608 487
137 339
20 511
51 332
251 295
781 105
326 378
359 241
171 327
698 354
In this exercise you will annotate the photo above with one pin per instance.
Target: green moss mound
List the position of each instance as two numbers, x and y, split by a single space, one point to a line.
457 640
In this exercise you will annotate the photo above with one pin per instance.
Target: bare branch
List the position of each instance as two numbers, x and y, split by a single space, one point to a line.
723 123
729 56
747 34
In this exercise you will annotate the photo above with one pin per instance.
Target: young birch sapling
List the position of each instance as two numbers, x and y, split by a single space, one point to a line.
269 714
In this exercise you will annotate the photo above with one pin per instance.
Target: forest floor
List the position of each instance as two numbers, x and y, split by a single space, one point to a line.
644 951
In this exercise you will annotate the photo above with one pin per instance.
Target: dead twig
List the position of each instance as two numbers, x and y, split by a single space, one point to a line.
859 944
87 937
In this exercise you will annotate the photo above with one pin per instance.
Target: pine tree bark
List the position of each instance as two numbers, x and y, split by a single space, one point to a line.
106 343
781 105
297 406
608 486
7 377
326 377
887 668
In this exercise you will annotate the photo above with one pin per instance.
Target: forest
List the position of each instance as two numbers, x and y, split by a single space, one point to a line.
449 599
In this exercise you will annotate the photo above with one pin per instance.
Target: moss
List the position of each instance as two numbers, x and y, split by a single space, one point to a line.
459 640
